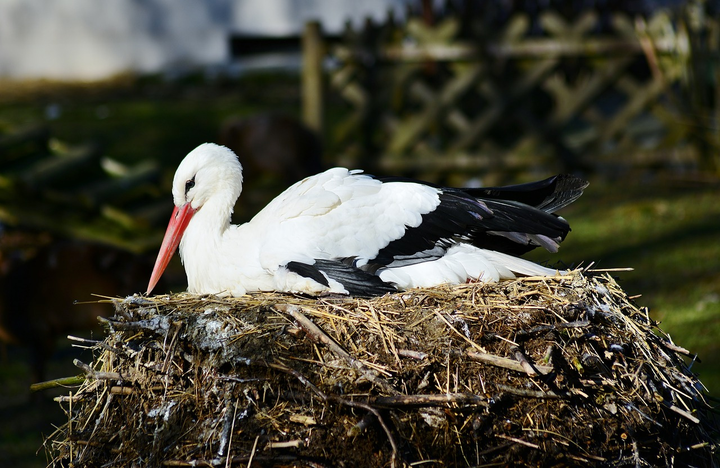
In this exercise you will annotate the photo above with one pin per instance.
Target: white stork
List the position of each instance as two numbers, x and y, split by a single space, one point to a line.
343 231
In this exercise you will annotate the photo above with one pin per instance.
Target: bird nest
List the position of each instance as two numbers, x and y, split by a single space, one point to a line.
557 371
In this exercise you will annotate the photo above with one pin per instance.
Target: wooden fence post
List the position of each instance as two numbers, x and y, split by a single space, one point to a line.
312 76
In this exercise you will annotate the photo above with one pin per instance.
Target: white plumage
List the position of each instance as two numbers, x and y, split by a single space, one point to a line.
342 231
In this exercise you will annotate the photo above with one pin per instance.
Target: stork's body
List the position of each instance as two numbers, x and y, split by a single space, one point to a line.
343 231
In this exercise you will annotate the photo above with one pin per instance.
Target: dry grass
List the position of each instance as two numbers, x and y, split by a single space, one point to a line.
539 371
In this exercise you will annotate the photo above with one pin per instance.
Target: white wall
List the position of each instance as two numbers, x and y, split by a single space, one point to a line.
94 39
287 17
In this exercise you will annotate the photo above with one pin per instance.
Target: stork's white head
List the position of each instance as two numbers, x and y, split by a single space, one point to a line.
209 177
208 171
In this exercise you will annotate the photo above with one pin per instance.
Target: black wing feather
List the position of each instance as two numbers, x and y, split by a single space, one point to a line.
513 219
308 271
548 195
356 282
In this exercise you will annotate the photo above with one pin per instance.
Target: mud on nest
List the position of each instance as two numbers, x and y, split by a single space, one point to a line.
537 372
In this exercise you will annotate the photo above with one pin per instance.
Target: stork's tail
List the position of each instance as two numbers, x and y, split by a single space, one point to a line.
548 195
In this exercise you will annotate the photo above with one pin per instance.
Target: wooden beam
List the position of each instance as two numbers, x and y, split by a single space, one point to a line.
313 51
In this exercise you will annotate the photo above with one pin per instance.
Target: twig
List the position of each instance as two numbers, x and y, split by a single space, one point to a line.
518 441
313 330
676 348
524 362
287 444
232 429
94 343
318 335
227 425
529 393
430 400
252 453
92 373
494 449
506 363
419 355
83 340
684 413
608 270
62 382
69 398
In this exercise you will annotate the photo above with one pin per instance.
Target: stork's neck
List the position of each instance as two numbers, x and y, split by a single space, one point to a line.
201 245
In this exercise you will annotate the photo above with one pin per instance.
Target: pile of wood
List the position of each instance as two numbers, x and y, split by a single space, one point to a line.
533 372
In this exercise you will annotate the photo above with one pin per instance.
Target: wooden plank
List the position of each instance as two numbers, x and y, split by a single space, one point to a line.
313 52
531 48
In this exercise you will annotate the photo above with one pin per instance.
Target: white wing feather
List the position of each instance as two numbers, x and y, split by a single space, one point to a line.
336 214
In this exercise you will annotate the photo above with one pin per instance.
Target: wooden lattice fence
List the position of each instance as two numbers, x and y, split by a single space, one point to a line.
537 94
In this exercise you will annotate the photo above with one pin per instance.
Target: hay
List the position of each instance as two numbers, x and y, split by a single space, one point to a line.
537 372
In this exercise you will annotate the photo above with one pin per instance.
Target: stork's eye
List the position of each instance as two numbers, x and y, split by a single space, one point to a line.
189 184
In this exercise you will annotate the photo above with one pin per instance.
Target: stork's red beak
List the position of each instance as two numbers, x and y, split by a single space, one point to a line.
177 225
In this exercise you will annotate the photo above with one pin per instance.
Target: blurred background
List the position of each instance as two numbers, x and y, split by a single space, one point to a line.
99 102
